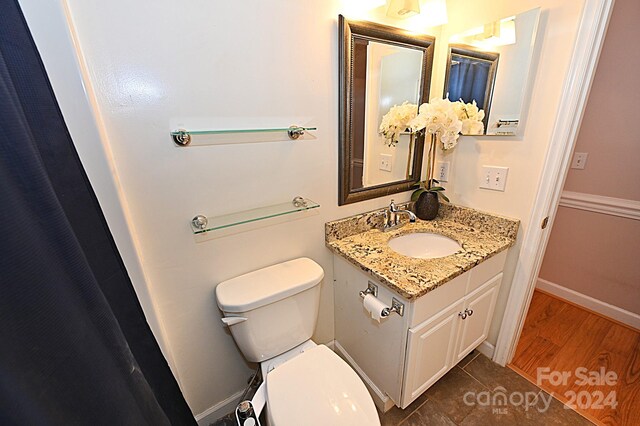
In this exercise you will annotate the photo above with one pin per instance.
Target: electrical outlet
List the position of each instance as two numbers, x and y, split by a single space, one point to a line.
442 173
579 160
494 178
385 162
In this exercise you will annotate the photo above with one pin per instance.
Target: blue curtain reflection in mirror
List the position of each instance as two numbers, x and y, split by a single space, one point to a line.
468 79
471 75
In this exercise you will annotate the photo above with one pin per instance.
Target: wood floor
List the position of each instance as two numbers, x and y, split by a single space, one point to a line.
562 337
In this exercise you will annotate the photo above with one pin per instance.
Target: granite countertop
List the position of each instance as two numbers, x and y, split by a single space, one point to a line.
360 240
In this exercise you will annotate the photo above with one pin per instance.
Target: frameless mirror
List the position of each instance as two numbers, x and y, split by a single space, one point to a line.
380 67
491 64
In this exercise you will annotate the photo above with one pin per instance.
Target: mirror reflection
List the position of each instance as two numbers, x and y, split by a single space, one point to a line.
471 75
384 75
490 65
380 67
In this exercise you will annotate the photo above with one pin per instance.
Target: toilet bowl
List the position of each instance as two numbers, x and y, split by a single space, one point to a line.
271 314
318 388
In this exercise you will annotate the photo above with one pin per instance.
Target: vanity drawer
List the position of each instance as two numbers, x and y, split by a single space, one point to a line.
485 271
441 298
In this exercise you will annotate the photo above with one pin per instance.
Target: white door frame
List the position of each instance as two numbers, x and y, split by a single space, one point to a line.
582 68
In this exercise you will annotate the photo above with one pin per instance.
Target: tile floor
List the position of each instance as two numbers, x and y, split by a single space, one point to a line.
444 403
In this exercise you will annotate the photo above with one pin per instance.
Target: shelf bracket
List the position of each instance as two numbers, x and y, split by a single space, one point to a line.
181 137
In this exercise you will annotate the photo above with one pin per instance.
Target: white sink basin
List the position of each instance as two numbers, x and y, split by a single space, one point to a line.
424 245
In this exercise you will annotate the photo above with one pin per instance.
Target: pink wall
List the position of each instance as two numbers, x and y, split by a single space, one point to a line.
596 255
609 131
592 253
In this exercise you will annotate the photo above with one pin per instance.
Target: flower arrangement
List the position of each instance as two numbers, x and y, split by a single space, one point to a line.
397 121
443 120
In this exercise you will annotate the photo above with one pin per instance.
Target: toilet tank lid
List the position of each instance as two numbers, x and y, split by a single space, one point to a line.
268 285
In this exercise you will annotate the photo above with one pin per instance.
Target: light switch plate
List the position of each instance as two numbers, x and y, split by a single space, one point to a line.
494 178
385 162
442 171
579 160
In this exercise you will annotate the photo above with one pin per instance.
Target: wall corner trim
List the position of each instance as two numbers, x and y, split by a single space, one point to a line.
620 207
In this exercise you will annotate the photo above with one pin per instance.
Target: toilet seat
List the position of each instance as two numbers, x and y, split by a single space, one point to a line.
318 388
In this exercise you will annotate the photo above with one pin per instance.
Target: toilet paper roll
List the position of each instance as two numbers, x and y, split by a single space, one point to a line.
374 306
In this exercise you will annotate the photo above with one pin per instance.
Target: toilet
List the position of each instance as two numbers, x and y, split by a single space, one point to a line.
272 313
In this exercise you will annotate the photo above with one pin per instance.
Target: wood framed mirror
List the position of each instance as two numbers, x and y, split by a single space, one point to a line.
380 66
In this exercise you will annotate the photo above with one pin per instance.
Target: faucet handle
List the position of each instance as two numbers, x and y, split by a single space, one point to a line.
392 206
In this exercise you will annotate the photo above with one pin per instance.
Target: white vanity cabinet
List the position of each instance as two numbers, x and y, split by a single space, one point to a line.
431 349
440 342
479 306
402 356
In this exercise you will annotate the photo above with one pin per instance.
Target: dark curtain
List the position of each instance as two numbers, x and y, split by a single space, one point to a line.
75 348
468 80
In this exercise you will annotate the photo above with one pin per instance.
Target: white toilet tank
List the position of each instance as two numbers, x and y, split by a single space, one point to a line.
272 310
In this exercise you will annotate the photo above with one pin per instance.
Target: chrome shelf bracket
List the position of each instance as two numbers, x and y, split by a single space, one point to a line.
181 137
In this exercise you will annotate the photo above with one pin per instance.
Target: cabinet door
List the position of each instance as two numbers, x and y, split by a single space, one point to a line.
430 352
479 307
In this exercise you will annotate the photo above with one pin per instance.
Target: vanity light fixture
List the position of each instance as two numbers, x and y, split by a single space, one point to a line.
490 35
499 33
419 14
401 9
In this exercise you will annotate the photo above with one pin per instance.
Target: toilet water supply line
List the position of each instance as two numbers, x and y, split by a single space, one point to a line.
250 385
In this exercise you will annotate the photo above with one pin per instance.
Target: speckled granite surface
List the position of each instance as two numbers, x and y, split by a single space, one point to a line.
360 240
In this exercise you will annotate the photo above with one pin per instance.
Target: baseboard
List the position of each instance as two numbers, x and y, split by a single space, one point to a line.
599 307
486 349
221 409
382 401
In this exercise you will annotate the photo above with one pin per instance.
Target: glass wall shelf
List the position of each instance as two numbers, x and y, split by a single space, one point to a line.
201 224
183 137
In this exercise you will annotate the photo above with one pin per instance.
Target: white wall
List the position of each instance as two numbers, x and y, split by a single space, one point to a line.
269 62
219 64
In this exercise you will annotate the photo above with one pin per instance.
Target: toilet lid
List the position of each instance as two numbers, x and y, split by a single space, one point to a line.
318 388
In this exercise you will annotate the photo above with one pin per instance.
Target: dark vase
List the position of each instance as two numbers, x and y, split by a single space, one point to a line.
427 205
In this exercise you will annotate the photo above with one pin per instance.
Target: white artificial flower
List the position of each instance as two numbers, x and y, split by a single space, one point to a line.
471 117
397 121
472 127
440 117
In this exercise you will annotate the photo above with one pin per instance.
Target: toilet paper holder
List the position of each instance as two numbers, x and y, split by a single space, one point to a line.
396 305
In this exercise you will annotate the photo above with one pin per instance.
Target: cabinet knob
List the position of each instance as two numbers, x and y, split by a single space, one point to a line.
462 315
469 311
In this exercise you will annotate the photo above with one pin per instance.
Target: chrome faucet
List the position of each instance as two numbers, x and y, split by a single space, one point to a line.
391 216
